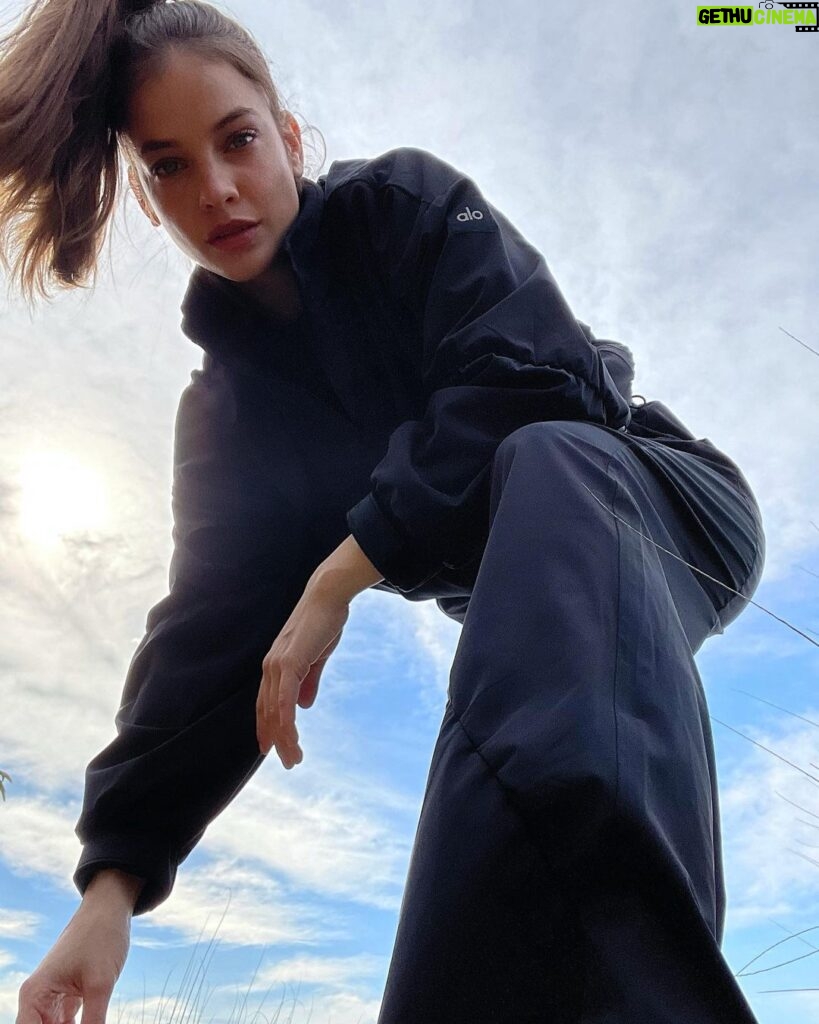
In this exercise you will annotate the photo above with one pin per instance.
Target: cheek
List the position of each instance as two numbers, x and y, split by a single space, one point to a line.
182 235
178 221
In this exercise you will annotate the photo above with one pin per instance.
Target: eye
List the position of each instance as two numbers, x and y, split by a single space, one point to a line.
158 167
248 131
243 138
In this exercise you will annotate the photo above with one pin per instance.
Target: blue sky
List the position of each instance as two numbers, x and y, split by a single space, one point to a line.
667 171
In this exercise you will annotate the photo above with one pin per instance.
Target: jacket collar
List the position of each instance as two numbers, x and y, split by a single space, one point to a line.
215 315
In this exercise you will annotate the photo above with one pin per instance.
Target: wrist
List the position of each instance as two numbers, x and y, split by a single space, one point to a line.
113 888
346 572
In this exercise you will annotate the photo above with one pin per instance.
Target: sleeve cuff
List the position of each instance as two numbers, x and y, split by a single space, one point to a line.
387 548
145 856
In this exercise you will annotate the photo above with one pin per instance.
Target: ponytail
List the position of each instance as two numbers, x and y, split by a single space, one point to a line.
66 72
58 167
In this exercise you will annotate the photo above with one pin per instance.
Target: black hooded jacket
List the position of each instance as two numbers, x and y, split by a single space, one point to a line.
431 329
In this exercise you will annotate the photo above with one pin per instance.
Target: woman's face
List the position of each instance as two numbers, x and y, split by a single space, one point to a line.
196 176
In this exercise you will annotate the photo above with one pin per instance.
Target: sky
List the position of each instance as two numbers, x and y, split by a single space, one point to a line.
667 171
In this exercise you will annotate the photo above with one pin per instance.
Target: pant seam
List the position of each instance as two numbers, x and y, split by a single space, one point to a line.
617 644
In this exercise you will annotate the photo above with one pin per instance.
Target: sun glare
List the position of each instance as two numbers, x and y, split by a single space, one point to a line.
59 495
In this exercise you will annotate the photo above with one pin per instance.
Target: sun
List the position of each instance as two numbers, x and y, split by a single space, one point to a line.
60 494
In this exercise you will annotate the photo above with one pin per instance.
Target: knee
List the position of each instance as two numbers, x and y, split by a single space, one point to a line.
548 435
566 454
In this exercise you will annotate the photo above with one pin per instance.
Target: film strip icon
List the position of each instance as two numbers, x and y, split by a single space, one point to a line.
801 7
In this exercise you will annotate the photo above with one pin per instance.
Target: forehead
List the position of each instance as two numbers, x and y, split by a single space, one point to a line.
189 93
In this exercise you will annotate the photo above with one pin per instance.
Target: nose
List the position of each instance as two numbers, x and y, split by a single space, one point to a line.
216 186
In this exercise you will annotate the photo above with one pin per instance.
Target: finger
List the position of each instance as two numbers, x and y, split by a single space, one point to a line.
95 1006
69 1009
266 726
287 746
29 1015
310 684
288 692
38 1005
267 687
309 687
261 728
268 695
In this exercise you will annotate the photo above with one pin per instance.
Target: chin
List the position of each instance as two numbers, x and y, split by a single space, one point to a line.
240 274
259 264
235 276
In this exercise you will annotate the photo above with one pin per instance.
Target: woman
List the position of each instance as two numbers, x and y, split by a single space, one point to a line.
393 393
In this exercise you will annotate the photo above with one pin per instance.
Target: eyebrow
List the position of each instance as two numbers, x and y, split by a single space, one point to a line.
152 145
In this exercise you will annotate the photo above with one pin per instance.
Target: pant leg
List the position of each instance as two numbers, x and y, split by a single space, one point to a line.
566 867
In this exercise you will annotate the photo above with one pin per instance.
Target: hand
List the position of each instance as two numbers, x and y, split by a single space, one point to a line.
80 969
293 666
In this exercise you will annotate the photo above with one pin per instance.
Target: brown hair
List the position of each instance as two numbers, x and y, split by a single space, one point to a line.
66 74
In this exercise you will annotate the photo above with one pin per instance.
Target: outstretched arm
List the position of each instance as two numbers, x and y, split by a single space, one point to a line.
186 732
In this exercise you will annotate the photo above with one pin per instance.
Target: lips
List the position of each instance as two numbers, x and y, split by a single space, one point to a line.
233 228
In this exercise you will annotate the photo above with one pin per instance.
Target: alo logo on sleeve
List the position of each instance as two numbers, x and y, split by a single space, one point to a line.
468 214
472 218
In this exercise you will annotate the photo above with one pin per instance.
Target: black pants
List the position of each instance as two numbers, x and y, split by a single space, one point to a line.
567 863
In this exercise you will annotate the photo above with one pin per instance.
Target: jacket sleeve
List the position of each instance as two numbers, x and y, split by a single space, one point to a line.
500 349
186 735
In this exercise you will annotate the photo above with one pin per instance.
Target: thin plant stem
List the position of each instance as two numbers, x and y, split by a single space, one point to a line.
804 856
778 706
766 990
775 967
741 972
784 929
791 802
252 980
762 745
701 571
799 342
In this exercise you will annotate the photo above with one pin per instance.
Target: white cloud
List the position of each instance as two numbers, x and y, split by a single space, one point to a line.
18 924
303 984
324 849
39 840
338 1008
295 1006
324 833
336 972
9 987
764 833
246 905
72 616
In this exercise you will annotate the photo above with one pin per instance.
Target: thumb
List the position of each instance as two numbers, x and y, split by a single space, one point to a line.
309 685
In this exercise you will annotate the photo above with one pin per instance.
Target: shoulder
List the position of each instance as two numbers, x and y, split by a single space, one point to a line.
414 171
207 404
401 204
